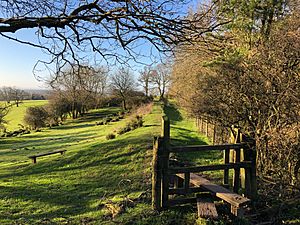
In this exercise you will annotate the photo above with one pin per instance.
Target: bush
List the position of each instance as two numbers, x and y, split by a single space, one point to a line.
110 136
124 130
36 117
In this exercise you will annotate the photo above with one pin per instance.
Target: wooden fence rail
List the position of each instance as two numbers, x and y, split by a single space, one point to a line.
243 164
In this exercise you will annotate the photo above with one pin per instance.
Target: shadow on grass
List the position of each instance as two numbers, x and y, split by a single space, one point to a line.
173 113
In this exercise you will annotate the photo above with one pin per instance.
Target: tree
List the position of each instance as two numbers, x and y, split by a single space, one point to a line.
3 112
69 29
145 79
252 85
122 83
36 117
16 95
80 86
160 77
5 94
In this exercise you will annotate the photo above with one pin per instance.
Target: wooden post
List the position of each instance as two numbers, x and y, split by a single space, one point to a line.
206 128
226 171
236 179
214 134
253 171
186 181
165 160
156 174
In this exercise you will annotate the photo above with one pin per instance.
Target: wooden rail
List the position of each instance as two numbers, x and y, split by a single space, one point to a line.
244 160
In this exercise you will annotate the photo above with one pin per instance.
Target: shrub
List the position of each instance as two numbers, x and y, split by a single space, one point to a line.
36 117
124 130
110 136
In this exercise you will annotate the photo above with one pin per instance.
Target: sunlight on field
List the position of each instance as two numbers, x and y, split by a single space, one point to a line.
16 114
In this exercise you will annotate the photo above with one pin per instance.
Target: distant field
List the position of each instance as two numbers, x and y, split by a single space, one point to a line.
16 114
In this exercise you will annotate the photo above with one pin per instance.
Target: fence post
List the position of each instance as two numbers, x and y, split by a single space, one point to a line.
165 160
253 171
214 134
156 174
226 171
237 159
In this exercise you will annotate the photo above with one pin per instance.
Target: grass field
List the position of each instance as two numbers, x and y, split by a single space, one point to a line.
16 114
92 180
97 181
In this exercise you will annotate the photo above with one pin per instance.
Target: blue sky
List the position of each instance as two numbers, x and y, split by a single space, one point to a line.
17 61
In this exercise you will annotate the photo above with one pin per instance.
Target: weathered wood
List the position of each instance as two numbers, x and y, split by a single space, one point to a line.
196 169
186 181
183 191
156 174
226 171
253 172
214 134
165 160
221 192
34 157
206 208
237 211
195 148
236 179
173 202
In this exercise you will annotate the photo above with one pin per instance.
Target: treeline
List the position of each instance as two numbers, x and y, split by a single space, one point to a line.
78 89
247 74
13 95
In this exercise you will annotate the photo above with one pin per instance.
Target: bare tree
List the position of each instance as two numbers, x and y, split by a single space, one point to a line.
122 84
16 95
145 79
71 30
161 77
80 86
9 94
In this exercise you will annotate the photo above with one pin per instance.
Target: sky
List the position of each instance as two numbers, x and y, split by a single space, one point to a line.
17 62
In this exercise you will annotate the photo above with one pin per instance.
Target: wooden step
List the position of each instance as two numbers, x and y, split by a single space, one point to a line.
236 201
206 208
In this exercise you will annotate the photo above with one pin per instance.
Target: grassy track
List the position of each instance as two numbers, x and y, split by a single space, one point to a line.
16 114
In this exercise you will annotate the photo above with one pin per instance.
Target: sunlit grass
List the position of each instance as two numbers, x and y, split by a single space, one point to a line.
16 114
77 187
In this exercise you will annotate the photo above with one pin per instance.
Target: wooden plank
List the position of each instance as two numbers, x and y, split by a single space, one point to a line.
173 202
196 169
206 209
195 148
183 191
221 192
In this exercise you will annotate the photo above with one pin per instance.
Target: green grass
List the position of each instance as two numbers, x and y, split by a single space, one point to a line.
94 172
16 114
94 176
